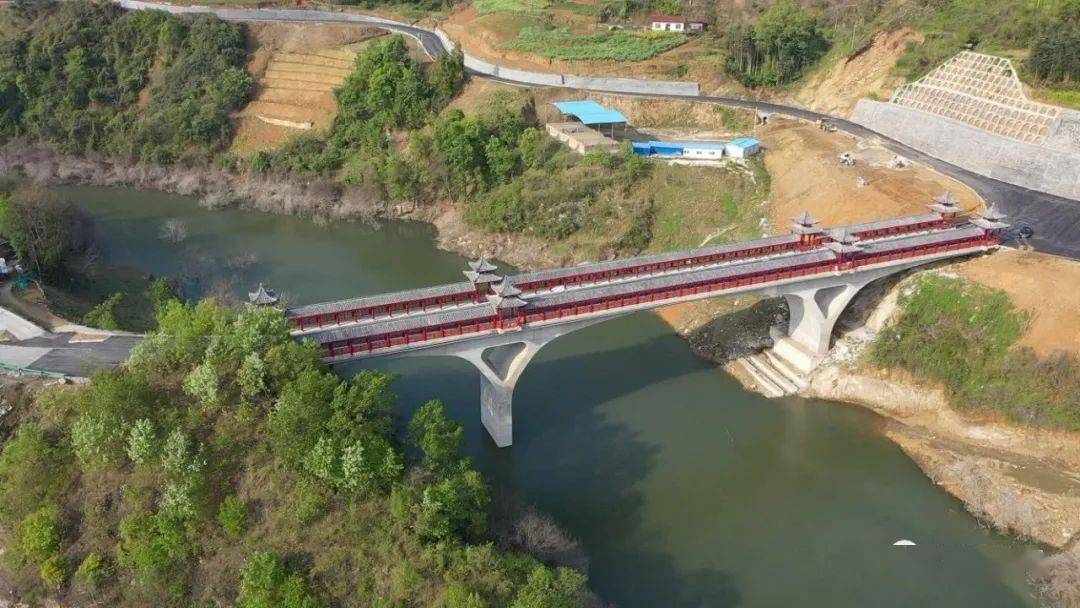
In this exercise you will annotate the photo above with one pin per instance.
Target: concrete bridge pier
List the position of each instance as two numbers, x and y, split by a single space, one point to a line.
501 360
813 311
500 367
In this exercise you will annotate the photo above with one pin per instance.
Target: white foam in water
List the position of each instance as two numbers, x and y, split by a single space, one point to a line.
904 543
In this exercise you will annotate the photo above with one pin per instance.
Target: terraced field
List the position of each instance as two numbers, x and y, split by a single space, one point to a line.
293 94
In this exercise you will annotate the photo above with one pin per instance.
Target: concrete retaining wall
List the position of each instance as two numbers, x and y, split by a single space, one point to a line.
1054 169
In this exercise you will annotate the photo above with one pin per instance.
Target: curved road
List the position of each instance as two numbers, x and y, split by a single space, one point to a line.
1056 220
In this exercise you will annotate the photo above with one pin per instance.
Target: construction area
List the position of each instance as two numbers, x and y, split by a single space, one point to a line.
297 68
591 127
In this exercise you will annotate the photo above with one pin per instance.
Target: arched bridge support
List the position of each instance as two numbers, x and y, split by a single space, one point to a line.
501 359
500 367
814 308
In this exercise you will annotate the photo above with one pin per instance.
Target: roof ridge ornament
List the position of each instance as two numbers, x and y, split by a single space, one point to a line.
263 296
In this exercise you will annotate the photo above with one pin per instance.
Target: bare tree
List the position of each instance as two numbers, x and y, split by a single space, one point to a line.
174 231
41 229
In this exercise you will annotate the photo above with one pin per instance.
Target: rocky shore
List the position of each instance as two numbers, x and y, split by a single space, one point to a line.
1020 480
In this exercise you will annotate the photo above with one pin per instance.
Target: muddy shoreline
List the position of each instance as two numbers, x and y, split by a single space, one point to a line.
975 461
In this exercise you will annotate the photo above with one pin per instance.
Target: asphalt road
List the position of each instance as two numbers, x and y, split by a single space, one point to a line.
1056 220
57 353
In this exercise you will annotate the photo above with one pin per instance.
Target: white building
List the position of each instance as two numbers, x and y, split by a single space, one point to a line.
668 23
743 147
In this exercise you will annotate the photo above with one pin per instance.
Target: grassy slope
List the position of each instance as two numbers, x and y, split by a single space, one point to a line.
963 335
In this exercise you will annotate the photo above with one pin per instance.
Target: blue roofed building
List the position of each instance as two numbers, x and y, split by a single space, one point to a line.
701 150
743 147
609 122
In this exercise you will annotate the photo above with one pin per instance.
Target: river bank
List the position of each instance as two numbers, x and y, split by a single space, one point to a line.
1019 479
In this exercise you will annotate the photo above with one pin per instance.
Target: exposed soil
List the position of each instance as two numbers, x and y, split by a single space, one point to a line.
866 72
1043 285
296 67
808 176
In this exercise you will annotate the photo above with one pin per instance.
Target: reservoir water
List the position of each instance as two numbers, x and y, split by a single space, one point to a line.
685 489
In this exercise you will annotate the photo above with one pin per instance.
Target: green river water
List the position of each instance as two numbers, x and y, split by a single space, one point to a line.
685 489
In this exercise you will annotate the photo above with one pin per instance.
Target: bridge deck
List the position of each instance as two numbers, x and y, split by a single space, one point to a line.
455 296
359 339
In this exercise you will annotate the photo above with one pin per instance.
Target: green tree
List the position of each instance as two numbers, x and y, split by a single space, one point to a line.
453 507
142 441
233 516
38 534
1054 56
252 376
97 440
436 435
40 228
265 583
446 75
778 48
561 588
154 547
103 316
203 384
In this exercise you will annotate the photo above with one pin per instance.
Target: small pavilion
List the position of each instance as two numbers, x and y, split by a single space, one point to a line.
262 296
805 225
482 275
946 205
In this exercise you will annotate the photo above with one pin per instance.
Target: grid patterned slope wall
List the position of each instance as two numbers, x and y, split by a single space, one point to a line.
982 91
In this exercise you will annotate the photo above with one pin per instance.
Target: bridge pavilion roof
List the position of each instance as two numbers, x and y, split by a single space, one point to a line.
482 265
381 299
915 240
890 223
671 280
401 324
555 273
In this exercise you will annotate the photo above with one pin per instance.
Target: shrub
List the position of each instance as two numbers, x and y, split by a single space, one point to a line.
964 335
54 571
32 472
266 584
92 571
560 588
233 516
103 315
38 534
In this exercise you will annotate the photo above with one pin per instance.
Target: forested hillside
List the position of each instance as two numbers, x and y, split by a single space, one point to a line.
88 77
226 465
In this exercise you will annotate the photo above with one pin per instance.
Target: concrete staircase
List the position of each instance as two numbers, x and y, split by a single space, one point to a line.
774 375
